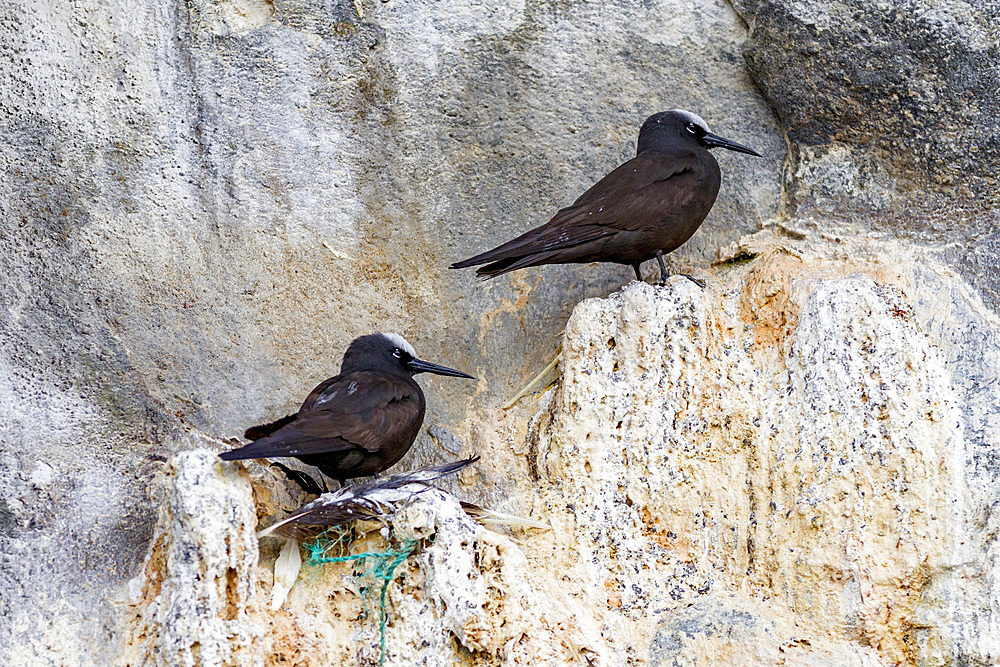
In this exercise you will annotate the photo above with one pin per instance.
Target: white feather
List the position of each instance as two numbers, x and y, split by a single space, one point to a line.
399 342
692 118
286 571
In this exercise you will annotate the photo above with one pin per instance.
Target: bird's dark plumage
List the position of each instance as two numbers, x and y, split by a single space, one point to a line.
645 208
259 431
357 423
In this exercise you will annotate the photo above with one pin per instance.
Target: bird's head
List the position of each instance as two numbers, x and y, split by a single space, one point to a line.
390 352
678 129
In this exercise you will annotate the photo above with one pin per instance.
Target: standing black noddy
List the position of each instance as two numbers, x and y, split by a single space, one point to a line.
646 207
357 423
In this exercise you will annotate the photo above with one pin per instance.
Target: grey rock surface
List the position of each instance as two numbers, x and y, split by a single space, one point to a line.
892 116
913 82
717 630
206 200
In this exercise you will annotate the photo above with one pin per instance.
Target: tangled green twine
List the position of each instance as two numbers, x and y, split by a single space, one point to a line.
383 566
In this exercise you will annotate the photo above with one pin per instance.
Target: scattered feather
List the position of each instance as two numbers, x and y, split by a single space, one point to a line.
337 253
490 518
375 500
286 571
534 381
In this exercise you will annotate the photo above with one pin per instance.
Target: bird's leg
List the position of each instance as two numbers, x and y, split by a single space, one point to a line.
638 275
663 272
663 268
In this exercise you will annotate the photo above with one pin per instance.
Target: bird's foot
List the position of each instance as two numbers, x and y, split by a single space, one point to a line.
305 481
697 281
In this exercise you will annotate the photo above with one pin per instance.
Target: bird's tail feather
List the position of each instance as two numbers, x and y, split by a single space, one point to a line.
511 250
262 430
481 258
237 454
503 266
495 269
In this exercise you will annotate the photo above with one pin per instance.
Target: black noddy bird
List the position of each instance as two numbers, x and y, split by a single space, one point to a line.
357 423
649 206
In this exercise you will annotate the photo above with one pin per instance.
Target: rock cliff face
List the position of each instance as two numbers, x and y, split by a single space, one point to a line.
892 117
206 200
779 467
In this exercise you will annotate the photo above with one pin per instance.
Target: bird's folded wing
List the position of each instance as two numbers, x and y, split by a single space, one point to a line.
620 198
374 410
361 409
636 174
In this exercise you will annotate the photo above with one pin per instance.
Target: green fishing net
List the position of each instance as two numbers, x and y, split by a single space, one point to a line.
372 569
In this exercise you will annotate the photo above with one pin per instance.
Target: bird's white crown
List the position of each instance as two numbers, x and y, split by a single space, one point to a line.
399 342
692 118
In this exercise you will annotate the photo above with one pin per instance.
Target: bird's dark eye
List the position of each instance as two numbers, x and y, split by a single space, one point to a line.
398 353
692 128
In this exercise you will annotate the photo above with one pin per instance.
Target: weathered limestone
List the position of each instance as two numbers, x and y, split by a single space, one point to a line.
198 598
205 200
729 630
196 594
912 85
774 468
831 481
892 117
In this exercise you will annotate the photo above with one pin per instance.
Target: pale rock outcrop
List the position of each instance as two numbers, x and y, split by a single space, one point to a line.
198 598
205 200
774 468
196 593
828 479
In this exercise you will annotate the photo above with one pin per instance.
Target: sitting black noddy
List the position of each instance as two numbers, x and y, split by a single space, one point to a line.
357 423
649 206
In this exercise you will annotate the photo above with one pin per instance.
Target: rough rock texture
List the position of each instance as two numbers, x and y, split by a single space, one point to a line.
912 82
197 600
205 200
196 592
733 631
785 466
823 471
892 117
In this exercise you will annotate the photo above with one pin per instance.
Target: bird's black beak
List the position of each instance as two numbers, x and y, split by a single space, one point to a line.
715 141
417 366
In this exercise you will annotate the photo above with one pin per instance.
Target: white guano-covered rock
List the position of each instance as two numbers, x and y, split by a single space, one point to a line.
196 594
474 588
